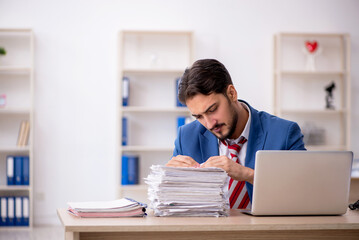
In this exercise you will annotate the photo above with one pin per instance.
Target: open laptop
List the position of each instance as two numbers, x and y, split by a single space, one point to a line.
301 182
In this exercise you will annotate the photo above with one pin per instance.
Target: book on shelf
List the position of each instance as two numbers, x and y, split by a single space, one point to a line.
25 176
125 90
18 170
10 165
24 132
14 211
124 132
130 167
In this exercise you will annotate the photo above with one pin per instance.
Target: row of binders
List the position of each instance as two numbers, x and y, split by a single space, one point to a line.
126 92
18 170
14 211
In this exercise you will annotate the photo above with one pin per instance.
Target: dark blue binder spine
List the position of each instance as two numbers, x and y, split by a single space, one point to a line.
10 165
124 131
178 103
125 90
25 170
129 170
18 170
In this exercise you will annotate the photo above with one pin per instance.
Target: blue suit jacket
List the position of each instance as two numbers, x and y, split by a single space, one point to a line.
267 132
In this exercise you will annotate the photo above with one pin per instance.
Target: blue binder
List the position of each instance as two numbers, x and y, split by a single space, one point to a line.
129 170
25 170
125 90
10 165
178 103
18 211
25 211
18 170
3 211
181 121
10 220
124 131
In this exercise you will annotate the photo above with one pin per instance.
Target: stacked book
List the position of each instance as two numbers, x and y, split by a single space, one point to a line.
200 192
123 207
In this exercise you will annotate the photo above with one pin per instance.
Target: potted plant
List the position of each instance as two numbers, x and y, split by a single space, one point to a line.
2 51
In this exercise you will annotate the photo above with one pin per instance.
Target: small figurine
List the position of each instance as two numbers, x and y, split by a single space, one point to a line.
329 97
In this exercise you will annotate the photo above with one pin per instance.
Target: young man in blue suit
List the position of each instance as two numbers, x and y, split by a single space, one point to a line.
227 132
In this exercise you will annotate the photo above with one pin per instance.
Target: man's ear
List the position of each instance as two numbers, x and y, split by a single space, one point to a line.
232 93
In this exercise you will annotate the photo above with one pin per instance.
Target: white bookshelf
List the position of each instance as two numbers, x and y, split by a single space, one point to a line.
17 82
152 60
299 92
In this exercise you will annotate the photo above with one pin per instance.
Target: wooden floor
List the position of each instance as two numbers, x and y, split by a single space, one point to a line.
36 233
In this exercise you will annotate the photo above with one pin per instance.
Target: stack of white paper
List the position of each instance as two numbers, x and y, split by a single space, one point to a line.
123 207
175 191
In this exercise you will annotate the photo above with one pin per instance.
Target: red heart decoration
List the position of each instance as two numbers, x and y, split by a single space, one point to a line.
311 46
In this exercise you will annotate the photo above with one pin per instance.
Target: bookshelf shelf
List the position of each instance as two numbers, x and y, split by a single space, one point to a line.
301 82
16 84
15 69
310 74
137 187
15 149
152 71
154 110
152 61
312 111
17 111
146 149
14 188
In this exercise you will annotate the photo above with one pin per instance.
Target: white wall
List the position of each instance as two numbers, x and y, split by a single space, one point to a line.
76 73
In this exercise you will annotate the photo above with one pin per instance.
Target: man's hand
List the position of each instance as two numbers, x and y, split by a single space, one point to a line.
182 161
233 169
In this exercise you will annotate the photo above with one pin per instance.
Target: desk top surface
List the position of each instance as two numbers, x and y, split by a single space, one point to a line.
236 221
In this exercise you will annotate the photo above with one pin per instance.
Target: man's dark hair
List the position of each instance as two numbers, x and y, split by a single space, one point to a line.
205 76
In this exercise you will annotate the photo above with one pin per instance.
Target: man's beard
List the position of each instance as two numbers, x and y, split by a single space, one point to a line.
232 124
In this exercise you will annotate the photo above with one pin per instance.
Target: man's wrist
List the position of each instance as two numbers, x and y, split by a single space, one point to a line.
249 175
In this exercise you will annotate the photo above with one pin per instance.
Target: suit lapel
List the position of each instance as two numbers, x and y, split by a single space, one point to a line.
257 138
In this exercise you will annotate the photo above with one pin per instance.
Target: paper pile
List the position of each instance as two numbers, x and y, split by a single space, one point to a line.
175 191
123 207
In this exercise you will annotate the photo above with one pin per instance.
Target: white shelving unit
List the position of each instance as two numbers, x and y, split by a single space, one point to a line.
152 60
299 91
17 82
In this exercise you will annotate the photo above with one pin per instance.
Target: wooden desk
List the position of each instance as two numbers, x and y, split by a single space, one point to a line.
236 226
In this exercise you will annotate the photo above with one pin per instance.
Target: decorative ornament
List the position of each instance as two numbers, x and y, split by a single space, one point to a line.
311 46
312 50
329 98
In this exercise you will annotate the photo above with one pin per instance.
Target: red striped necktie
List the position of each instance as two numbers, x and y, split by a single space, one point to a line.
239 198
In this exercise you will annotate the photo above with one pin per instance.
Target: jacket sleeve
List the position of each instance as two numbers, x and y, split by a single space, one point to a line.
295 138
178 150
